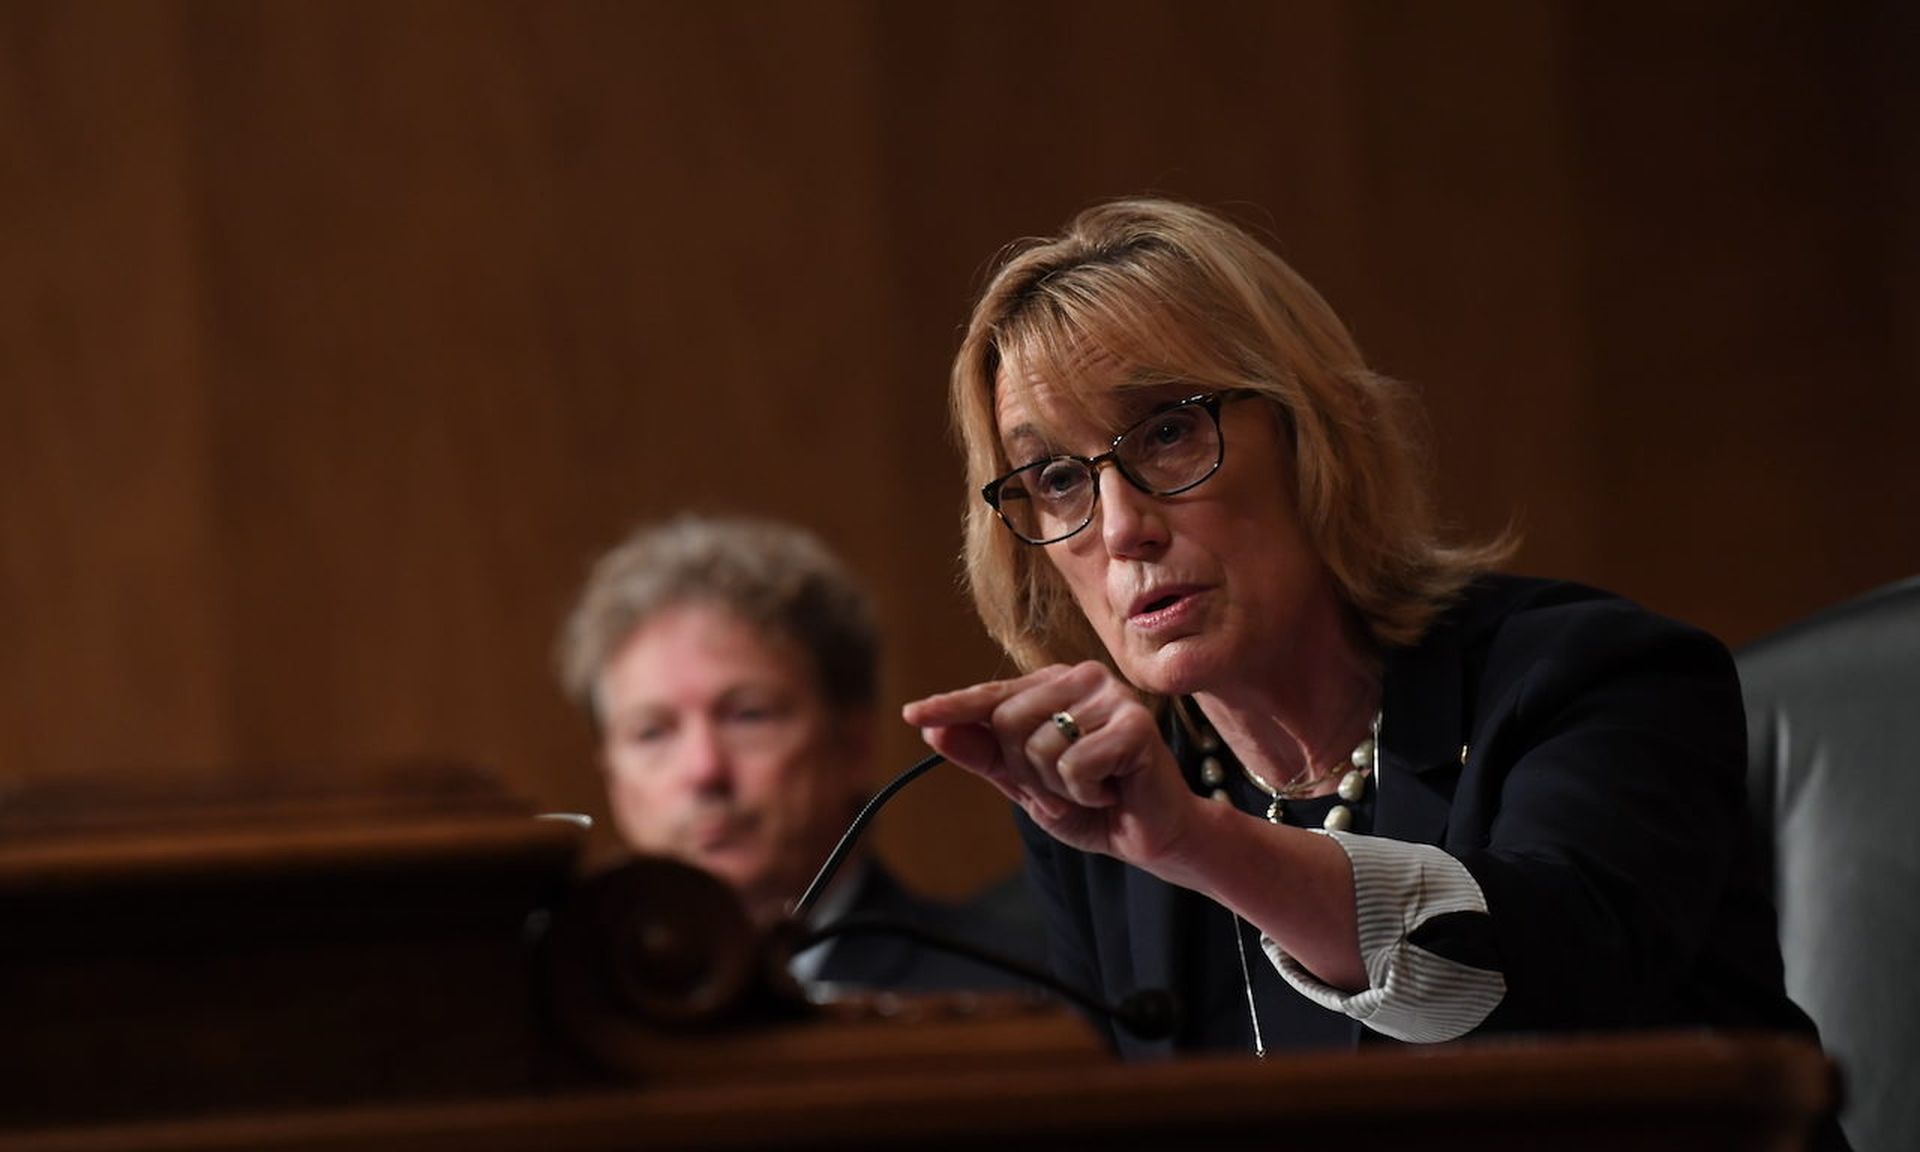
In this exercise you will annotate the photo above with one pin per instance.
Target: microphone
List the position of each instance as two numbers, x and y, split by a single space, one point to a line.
656 946
1146 1013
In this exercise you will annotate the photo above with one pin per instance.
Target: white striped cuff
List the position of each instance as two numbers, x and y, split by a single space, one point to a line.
1413 995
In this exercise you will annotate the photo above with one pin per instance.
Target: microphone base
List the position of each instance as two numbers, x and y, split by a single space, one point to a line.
653 973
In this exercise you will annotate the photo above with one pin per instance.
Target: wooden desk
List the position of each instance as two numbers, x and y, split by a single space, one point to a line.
1695 1093
340 975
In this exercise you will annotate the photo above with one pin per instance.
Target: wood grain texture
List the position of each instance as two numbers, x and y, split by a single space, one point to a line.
1667 1092
335 340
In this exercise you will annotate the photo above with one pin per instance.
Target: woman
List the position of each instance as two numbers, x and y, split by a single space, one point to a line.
1278 745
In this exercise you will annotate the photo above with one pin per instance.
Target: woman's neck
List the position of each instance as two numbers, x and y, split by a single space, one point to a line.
1305 713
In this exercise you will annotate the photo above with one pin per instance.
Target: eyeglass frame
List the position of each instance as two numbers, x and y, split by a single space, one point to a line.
1209 402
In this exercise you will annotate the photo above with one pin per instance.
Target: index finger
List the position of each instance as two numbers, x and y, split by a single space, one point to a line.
973 704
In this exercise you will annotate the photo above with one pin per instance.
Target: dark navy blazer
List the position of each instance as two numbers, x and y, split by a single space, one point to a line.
1599 803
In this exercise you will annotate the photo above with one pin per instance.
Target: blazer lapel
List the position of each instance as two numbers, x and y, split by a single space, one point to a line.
1417 762
1153 908
1150 904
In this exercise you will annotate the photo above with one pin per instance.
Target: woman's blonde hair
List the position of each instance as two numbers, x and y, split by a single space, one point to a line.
1174 293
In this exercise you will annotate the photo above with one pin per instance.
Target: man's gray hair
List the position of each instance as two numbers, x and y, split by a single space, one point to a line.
777 578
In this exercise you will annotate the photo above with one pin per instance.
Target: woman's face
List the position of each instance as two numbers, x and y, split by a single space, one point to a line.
1212 590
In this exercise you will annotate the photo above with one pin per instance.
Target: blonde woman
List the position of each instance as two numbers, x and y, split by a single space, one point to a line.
1281 746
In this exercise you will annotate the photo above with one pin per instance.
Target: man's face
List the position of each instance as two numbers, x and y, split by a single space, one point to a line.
720 750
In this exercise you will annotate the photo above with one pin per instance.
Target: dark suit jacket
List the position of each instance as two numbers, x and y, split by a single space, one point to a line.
1600 807
1006 923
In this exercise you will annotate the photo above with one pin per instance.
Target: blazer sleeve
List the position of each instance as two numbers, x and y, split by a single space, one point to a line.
1600 812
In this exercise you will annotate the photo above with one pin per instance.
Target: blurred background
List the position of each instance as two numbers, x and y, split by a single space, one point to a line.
337 338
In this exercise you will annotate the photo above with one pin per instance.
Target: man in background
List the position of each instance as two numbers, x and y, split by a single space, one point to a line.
731 668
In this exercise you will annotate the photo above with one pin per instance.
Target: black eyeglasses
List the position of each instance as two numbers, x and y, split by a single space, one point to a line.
1173 449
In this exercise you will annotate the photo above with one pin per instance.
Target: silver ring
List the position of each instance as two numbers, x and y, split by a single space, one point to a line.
1069 728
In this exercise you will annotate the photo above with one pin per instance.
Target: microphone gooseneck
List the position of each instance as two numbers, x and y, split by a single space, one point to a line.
1146 1013
807 899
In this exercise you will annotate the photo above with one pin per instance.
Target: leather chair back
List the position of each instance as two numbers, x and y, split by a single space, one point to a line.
1833 727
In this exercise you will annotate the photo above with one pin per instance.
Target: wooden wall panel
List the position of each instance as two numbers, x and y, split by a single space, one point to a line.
1473 287
1750 418
336 339
110 634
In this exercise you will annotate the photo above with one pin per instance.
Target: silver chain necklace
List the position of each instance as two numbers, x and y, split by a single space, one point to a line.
1354 774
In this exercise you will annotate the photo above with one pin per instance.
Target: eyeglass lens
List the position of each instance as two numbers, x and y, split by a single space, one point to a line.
1164 454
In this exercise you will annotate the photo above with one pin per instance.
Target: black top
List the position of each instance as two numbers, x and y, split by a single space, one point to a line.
1220 1017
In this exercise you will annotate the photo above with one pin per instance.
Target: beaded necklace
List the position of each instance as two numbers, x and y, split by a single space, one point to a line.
1353 776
